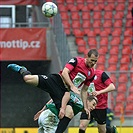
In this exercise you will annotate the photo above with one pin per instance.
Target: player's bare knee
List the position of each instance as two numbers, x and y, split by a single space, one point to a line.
69 112
102 130
82 126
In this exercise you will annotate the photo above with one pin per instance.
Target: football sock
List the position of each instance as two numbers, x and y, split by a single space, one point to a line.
81 131
63 124
110 129
24 72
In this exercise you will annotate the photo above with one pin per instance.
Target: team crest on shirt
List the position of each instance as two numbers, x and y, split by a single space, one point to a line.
89 73
95 78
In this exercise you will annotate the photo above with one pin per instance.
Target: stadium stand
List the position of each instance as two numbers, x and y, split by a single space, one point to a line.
105 25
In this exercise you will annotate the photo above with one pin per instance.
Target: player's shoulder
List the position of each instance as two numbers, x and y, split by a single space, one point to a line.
80 59
97 71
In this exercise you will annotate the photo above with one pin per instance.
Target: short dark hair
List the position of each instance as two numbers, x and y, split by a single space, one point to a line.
91 97
93 51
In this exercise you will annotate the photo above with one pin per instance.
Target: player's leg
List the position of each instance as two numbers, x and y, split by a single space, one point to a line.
112 129
63 123
28 78
100 116
101 128
83 122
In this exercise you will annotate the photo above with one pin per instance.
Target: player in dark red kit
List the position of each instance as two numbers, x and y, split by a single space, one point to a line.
77 71
102 84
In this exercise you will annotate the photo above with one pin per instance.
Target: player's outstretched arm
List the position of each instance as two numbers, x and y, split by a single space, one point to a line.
65 100
36 116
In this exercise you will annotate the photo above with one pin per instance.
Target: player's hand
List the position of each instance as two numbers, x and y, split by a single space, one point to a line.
36 116
95 93
75 90
87 112
61 113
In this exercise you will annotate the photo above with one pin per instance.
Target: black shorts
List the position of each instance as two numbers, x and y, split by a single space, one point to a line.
98 114
54 85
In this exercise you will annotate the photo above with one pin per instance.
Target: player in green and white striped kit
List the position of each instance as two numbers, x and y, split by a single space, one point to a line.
48 119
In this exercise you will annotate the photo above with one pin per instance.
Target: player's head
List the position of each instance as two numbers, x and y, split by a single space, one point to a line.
92 102
92 57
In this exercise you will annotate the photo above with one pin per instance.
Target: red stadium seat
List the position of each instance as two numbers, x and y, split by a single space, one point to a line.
128 32
124 67
92 42
86 16
76 24
116 32
126 50
120 97
75 16
108 15
107 23
115 41
131 89
97 23
119 15
101 67
101 60
117 109
78 33
122 88
97 15
64 16
60 1
80 5
91 5
114 50
104 33
108 7
80 2
104 41
85 9
70 1
113 59
112 68
127 41
67 31
66 24
125 59
97 8
74 8
86 30
91 33
102 51
118 24
120 7
86 24
129 109
129 23
81 45
122 79
62 8
113 77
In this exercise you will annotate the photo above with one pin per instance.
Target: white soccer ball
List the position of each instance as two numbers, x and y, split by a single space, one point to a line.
49 9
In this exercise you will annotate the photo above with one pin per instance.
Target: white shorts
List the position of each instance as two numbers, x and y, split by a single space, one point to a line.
47 122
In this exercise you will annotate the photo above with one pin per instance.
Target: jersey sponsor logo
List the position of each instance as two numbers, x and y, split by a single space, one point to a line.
79 79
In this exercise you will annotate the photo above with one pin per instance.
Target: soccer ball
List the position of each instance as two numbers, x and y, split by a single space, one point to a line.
49 9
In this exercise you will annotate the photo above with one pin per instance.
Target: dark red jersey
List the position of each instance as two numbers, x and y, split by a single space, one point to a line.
80 73
101 81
